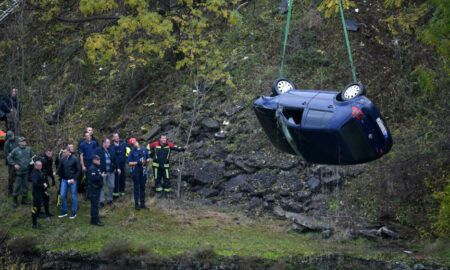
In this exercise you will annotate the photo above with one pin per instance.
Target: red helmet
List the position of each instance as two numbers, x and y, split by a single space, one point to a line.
132 141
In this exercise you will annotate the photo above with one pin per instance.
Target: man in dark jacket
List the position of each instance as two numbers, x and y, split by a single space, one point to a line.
47 164
137 160
10 144
118 148
40 194
69 170
86 150
20 159
160 152
108 166
95 184
13 111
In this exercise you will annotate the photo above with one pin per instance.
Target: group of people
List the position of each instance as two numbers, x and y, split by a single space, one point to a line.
98 166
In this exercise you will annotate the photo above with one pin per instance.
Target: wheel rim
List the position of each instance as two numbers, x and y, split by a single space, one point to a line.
351 92
284 86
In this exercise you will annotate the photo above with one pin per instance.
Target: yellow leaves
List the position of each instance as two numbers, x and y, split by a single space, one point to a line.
89 7
406 21
332 6
138 4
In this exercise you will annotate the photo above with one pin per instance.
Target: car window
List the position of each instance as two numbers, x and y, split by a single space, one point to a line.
316 118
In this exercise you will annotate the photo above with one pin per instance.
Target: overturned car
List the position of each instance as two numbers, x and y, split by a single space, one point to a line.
325 127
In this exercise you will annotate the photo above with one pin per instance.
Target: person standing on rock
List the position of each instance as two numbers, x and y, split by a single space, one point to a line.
95 185
107 166
10 144
118 148
20 158
160 153
40 195
69 170
137 160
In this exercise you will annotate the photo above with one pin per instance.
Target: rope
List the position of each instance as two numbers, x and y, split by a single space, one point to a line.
286 36
347 42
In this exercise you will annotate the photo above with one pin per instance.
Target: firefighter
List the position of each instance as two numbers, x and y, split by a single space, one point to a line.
137 160
160 152
40 195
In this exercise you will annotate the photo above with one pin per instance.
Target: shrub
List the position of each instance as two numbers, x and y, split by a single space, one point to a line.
24 245
115 249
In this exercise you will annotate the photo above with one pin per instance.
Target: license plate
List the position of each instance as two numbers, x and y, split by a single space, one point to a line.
382 127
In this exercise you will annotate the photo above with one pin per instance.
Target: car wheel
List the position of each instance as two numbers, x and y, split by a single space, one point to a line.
281 86
353 90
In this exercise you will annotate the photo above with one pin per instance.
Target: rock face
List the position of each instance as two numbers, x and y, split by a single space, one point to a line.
208 173
210 124
307 222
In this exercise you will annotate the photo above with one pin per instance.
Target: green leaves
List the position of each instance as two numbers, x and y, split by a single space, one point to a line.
89 7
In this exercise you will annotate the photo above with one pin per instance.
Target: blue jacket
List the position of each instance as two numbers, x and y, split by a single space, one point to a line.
140 156
100 151
119 151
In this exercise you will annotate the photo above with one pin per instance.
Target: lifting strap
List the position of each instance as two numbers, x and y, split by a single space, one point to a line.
286 35
347 42
345 33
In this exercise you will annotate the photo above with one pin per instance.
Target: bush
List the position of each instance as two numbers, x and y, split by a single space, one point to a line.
116 249
25 245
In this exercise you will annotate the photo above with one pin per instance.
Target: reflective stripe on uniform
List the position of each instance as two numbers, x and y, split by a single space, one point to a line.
159 189
167 189
167 173
34 210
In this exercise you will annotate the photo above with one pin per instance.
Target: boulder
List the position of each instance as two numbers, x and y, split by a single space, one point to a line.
263 179
288 181
385 232
208 173
208 193
313 184
302 196
236 182
241 165
210 124
155 129
231 110
231 173
255 202
308 222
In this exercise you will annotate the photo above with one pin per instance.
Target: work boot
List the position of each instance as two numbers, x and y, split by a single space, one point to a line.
143 206
97 222
160 194
166 194
36 226
15 201
25 202
136 206
101 205
42 215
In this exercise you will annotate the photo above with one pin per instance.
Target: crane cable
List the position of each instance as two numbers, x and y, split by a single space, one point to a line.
345 33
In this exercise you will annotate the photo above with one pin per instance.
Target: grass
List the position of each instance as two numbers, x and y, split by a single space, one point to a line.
173 227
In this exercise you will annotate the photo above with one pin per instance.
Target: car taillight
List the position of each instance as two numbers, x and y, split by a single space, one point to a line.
357 112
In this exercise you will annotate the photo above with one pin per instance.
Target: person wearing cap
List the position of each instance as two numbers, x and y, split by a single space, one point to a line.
69 170
108 166
137 160
95 184
118 148
20 158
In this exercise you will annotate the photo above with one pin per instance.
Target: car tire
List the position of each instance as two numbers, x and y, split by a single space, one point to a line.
352 91
282 85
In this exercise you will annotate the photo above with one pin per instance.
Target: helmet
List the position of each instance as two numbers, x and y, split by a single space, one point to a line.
132 141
